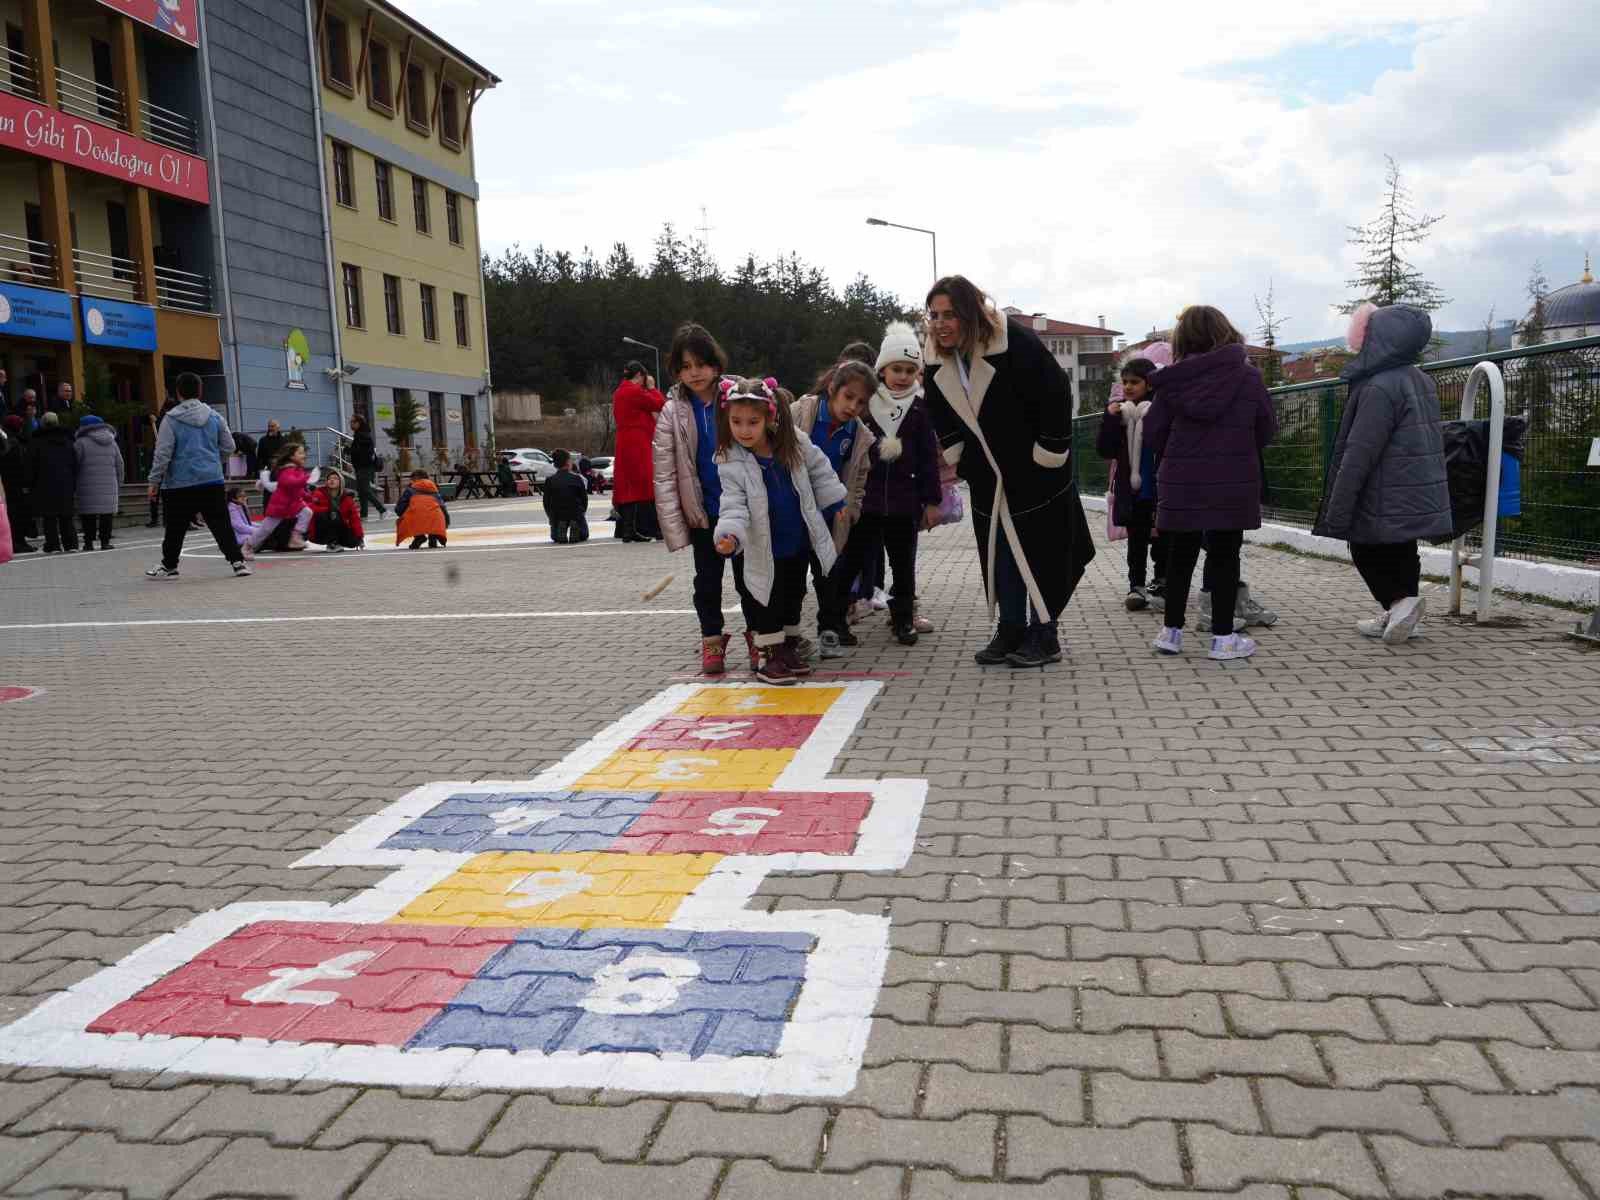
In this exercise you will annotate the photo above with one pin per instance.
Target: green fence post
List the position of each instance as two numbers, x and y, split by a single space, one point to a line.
1328 430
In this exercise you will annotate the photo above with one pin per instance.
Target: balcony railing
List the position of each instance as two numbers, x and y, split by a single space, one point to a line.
90 99
107 274
19 74
169 128
183 289
28 261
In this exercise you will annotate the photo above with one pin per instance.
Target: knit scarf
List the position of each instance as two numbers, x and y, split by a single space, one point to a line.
888 409
1133 419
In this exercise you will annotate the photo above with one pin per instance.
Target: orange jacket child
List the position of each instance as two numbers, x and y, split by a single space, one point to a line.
421 513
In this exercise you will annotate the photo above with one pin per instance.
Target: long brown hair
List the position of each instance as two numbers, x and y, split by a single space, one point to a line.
979 322
766 396
1201 329
855 352
694 339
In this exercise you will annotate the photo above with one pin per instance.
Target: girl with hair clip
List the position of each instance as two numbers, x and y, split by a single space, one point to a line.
778 492
287 501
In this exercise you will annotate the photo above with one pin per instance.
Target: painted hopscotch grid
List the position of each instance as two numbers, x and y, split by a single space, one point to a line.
554 932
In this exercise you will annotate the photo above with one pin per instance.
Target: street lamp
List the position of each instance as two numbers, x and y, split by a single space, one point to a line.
647 346
913 229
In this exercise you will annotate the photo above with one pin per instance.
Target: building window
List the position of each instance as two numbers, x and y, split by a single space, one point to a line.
344 179
430 314
419 202
380 92
122 264
441 433
452 217
336 51
450 116
469 420
384 174
462 336
353 316
361 402
417 98
392 311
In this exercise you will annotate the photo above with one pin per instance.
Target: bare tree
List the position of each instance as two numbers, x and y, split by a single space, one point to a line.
1488 331
1384 274
1271 322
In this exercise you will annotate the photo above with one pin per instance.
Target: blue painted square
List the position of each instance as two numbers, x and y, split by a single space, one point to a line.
549 822
692 994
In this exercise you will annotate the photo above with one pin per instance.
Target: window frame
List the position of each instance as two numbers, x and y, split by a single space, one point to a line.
355 307
417 124
422 214
430 311
452 218
383 181
394 305
361 404
379 99
330 77
450 116
440 429
462 314
344 181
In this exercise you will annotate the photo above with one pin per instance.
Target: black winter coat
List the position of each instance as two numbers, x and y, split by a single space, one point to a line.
363 451
566 496
55 472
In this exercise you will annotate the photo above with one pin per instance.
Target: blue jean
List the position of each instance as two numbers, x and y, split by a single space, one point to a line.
1011 593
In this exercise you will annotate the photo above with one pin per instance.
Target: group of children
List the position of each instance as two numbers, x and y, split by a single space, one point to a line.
784 489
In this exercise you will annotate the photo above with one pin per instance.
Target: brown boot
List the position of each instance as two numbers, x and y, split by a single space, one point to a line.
774 667
794 659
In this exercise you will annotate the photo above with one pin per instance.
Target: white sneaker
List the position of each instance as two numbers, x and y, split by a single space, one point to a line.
1373 627
880 600
1234 645
1403 618
1169 641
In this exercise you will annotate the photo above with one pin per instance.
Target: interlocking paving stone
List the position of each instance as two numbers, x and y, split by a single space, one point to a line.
576 1175
1398 1108
1489 1120
415 1173
285 1119
617 1132
1224 1160
953 1091
1035 1148
131 1114
98 1160
1426 1172
791 1140
964 1146
1119 1100
753 1180
447 1126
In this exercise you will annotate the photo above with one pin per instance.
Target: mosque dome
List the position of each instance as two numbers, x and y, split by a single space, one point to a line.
1575 306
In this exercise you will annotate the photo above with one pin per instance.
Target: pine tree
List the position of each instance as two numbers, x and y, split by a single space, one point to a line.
1384 274
1271 322
1488 331
1538 287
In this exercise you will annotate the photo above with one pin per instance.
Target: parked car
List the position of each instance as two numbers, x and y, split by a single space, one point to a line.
528 458
602 473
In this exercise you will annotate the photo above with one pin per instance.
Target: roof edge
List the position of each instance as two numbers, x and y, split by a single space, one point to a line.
422 31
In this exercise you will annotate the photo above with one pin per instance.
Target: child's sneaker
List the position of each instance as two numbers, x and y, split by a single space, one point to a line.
160 571
1137 600
847 638
774 667
792 657
714 654
904 632
1373 627
830 646
241 569
880 600
1157 589
246 549
1403 618
1252 610
1234 645
1168 641
1203 613
919 622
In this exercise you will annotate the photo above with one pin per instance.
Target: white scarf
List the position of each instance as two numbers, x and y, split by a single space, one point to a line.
888 410
1133 418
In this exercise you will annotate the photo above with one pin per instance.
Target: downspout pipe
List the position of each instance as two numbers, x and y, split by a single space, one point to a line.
315 61
219 233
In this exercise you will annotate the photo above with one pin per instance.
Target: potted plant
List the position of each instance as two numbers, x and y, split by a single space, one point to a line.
407 422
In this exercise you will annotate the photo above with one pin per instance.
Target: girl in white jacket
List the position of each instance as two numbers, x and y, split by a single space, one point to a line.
777 493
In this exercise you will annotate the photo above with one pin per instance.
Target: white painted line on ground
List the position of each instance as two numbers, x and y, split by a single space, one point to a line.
452 616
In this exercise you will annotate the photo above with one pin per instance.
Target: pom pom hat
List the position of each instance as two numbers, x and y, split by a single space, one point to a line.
899 345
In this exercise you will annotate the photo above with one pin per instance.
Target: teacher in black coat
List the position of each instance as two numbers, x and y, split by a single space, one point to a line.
1002 407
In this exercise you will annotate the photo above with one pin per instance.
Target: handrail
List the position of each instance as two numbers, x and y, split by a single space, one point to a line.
120 275
1484 372
177 288
169 127
40 264
90 99
22 74
1491 356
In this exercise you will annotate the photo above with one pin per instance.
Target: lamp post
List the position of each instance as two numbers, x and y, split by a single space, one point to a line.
913 229
647 346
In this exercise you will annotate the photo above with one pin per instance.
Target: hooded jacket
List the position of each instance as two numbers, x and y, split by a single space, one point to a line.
1122 436
904 478
680 500
100 468
635 407
804 411
191 445
289 490
420 512
1386 481
744 513
55 471
1209 421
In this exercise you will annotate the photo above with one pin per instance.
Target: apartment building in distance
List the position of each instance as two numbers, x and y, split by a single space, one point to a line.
1084 351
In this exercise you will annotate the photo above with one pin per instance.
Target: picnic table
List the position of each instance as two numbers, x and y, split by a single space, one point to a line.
471 483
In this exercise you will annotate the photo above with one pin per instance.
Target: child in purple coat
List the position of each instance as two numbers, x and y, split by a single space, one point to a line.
1208 424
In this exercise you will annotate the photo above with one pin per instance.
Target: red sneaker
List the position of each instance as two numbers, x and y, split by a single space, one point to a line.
775 667
714 654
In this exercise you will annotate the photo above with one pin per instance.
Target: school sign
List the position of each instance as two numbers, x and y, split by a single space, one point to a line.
25 125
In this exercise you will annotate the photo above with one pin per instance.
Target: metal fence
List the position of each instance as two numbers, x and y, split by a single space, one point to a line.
1555 387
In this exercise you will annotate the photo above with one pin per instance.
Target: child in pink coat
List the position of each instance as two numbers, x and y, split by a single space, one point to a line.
288 501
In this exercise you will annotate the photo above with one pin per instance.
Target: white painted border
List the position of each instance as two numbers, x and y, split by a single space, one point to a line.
819 1054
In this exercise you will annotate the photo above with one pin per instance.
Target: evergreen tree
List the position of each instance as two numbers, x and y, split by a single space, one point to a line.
1271 322
1538 287
1384 274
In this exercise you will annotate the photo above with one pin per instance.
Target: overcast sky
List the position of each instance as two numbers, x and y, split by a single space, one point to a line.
1078 157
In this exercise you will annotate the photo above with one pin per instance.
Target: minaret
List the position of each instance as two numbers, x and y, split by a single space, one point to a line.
1588 275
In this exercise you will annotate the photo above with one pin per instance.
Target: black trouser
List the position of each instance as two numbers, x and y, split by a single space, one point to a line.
155 511
632 520
1391 570
95 525
872 535
567 530
18 515
59 532
207 500
781 612
1222 548
708 569
433 539
328 530
1143 543
365 492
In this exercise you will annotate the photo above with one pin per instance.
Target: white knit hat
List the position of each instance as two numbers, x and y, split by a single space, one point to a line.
899 345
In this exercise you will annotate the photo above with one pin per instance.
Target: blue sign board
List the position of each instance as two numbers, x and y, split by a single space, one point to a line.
32 312
117 323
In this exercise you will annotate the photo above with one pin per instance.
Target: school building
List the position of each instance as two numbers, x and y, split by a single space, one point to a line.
279 195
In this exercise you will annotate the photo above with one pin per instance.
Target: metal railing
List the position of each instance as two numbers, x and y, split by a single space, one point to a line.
107 274
19 74
25 260
170 128
1556 387
183 289
90 99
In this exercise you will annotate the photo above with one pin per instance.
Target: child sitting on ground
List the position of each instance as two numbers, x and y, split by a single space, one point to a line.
287 502
239 516
335 518
421 514
566 499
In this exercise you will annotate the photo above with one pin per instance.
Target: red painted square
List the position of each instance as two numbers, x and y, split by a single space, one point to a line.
726 733
312 981
748 823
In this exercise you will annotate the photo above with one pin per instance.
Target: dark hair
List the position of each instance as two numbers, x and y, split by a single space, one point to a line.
854 352
188 385
1139 368
848 372
1201 329
419 473
979 322
780 423
693 339
286 454
357 418
633 368
236 495
561 458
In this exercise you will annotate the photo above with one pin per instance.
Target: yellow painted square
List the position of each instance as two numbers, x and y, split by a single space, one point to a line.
686 771
759 702
577 891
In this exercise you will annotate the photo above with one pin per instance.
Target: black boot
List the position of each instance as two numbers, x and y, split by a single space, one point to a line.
900 622
1006 639
1039 647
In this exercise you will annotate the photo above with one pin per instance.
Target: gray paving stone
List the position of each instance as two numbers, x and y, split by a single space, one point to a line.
750 1180
1224 1160
536 1122
130 1114
1261 1018
583 1175
18 1156
98 1160
860 1138
1366 1065
954 1091
1426 1172
448 1126
1119 1100
1489 1120
935 1185
1430 1022
791 1140
416 1173
1292 1055
1035 1148
1132 1051
1398 1108
1541 1070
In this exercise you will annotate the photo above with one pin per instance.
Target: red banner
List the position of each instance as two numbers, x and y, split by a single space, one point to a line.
176 18
25 125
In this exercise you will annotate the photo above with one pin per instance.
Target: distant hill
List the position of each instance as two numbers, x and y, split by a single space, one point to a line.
1458 344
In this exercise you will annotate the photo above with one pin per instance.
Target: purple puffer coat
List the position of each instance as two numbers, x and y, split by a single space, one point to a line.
1209 421
908 484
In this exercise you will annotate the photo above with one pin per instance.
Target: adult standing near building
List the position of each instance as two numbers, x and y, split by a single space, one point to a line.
1387 485
364 458
191 446
28 406
635 405
14 468
100 471
268 445
62 402
55 483
1003 410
